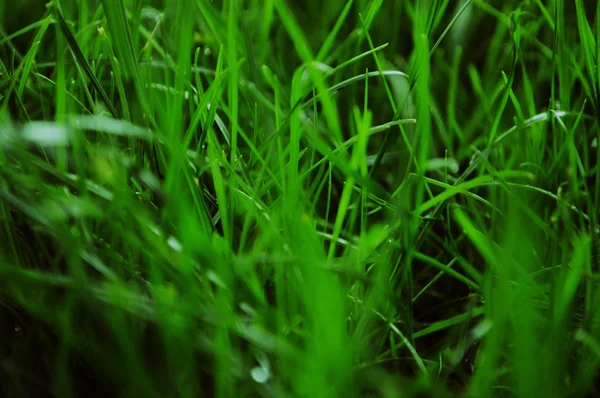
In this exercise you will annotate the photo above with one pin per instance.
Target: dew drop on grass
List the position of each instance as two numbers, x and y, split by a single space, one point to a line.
259 374
45 134
481 329
174 244
247 309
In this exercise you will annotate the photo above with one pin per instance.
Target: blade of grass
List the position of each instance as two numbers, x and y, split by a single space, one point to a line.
80 58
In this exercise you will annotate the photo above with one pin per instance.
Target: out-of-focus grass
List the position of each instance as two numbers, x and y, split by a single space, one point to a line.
298 198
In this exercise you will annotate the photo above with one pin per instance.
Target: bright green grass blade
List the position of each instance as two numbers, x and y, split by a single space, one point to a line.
174 123
407 343
372 11
80 58
455 320
303 49
330 40
268 9
461 10
233 94
573 276
71 95
358 156
24 30
597 46
588 46
480 241
117 70
29 59
445 269
466 186
121 35
424 123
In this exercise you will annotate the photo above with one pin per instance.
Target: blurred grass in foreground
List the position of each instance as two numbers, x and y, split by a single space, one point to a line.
299 198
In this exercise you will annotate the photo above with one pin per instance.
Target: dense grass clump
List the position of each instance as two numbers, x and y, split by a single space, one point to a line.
340 198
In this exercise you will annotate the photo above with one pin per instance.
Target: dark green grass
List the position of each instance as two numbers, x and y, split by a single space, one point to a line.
299 198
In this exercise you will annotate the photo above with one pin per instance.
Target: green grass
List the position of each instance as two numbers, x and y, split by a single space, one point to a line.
349 198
